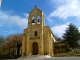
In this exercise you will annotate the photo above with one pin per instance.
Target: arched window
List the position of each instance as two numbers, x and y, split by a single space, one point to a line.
35 33
33 20
38 19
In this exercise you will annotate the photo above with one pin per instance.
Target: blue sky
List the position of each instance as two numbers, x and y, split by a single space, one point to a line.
58 14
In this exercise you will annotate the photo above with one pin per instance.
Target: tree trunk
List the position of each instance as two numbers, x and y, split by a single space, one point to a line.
9 50
18 50
13 50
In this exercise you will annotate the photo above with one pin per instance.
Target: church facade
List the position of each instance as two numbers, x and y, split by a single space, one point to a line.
37 38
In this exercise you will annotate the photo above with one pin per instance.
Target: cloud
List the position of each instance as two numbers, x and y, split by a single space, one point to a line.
9 19
60 29
79 29
11 23
0 3
66 8
26 15
49 19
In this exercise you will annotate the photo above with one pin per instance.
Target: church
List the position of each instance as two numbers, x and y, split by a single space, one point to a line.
38 39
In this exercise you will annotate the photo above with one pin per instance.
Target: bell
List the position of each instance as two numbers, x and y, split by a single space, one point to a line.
33 21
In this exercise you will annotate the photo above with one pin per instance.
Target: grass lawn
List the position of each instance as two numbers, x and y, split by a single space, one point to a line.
72 52
66 54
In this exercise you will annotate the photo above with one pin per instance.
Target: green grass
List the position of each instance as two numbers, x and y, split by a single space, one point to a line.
71 52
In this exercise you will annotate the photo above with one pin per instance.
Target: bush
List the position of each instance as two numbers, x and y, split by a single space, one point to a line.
55 51
8 56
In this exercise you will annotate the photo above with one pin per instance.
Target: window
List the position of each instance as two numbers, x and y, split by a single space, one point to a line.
33 20
38 20
35 33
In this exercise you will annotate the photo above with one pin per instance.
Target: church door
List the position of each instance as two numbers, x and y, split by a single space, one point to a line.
35 48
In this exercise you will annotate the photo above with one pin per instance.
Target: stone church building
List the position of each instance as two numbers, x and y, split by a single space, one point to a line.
37 38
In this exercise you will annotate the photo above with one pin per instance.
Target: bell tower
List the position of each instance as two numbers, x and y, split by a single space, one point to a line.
36 18
35 30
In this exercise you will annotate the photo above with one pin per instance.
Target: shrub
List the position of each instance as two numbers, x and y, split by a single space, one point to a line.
55 51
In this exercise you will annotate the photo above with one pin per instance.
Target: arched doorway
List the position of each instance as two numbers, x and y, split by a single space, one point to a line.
35 48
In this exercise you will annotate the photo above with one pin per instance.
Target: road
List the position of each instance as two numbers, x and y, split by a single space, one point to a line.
50 58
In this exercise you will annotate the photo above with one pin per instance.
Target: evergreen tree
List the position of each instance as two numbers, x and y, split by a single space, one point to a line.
71 35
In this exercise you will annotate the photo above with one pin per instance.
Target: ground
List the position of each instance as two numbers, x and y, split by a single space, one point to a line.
48 58
59 56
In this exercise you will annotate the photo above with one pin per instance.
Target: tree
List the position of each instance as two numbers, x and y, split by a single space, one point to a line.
14 41
18 43
9 42
71 35
58 38
1 40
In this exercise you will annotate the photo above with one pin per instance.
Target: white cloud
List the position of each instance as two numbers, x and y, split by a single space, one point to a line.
7 18
79 29
0 3
11 24
49 19
66 8
60 29
26 15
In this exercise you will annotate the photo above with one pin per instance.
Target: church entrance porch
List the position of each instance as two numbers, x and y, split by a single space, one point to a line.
35 48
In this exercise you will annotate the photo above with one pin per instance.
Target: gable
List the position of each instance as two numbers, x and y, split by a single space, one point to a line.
36 12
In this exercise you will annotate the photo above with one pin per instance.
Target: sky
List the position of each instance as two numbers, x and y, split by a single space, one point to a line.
58 14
